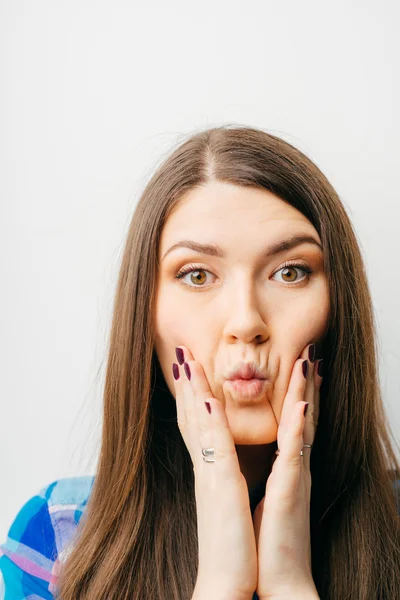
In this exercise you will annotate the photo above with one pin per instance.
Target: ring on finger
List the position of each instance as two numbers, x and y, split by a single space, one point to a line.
301 451
208 452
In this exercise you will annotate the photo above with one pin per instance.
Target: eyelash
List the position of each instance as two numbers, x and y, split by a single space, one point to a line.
304 267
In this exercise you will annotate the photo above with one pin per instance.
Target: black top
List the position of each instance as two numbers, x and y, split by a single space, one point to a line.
256 494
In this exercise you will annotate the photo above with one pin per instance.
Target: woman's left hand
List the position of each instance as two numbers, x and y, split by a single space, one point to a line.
282 518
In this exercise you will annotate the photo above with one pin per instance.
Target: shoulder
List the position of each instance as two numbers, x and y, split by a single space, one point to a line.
39 536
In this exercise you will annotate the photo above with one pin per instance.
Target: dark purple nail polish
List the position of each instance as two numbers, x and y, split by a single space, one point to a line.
320 367
187 370
311 353
305 368
208 407
179 355
175 370
305 408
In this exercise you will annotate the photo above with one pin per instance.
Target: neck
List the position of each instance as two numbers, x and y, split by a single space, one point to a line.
256 462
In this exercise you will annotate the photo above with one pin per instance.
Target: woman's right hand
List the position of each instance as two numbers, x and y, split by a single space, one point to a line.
227 547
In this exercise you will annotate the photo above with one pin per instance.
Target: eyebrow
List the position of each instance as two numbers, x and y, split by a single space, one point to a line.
215 250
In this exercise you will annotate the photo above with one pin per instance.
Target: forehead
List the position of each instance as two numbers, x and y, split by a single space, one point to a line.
233 214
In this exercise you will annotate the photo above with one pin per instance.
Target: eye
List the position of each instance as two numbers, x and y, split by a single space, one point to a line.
290 267
197 278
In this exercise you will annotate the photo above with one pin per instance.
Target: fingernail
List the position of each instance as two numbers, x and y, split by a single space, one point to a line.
305 408
320 367
187 370
305 368
311 353
179 355
175 370
208 407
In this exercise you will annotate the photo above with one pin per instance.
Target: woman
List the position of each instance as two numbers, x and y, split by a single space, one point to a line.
241 272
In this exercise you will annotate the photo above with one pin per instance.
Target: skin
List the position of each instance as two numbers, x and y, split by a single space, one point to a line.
243 306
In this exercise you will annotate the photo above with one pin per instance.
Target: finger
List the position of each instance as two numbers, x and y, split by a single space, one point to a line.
288 467
306 354
185 407
309 398
311 420
296 389
309 391
318 378
202 427
213 428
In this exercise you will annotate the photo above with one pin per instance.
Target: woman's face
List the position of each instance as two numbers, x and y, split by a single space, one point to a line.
241 305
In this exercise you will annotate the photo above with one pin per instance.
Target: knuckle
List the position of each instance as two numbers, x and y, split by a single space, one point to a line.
203 428
295 461
227 453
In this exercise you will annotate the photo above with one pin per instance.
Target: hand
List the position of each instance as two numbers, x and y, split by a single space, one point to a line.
282 518
227 547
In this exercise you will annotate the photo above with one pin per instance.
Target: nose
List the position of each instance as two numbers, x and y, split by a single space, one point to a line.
245 321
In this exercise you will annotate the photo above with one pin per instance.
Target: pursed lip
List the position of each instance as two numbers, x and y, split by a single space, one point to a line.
247 370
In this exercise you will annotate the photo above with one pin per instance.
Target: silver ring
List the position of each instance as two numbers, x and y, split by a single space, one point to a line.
208 452
301 451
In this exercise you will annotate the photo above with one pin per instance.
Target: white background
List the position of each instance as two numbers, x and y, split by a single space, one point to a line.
93 94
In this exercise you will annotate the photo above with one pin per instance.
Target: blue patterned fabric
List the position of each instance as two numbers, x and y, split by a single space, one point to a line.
40 536
36 544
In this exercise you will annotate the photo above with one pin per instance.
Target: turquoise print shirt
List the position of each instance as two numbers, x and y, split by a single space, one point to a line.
38 539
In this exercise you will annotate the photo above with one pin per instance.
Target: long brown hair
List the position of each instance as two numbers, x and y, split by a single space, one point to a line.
138 536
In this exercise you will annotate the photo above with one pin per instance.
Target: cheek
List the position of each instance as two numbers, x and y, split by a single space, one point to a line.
297 326
319 313
174 326
169 327
306 316
169 333
301 325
